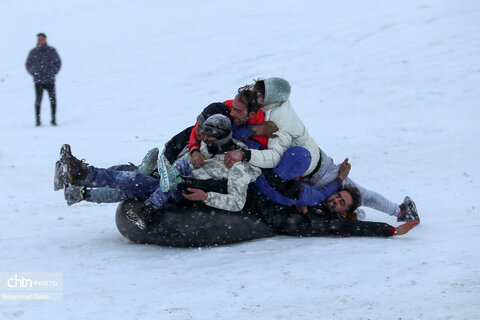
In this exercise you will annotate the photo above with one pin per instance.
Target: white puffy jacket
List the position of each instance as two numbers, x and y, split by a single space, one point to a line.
292 132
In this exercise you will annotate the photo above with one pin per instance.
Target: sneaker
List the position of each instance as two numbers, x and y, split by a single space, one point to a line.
408 211
149 162
169 175
74 194
60 177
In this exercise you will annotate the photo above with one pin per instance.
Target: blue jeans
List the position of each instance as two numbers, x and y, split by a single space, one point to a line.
105 195
114 185
130 182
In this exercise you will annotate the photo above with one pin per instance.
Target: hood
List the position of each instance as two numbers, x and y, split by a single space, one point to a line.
276 90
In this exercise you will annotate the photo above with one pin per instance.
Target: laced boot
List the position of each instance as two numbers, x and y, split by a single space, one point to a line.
76 169
68 169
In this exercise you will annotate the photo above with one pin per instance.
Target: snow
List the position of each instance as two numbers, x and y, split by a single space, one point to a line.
393 85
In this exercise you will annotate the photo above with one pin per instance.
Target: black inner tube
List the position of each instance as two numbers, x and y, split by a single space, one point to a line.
191 225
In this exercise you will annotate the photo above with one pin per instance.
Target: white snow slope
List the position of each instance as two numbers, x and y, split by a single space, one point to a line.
393 85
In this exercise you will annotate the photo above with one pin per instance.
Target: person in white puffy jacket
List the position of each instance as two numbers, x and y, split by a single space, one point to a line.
273 94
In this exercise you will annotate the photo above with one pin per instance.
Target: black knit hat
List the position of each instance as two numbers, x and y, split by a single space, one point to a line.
217 126
211 109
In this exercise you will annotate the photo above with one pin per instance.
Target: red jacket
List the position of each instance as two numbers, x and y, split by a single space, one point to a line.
259 118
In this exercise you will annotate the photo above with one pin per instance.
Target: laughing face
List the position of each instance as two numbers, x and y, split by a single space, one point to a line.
239 113
339 202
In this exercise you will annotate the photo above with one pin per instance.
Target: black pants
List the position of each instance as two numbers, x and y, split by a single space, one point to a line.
50 87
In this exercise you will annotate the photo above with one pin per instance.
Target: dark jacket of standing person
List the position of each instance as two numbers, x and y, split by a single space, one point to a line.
43 63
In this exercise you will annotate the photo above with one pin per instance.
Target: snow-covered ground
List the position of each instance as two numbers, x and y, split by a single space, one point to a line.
393 85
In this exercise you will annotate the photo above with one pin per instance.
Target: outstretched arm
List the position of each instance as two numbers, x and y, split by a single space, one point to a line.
405 228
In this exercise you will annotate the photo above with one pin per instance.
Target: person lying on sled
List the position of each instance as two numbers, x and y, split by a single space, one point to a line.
335 216
194 224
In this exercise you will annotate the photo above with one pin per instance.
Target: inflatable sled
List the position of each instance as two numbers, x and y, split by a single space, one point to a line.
190 225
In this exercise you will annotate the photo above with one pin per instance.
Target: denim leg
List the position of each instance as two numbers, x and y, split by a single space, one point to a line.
158 198
183 167
130 182
105 195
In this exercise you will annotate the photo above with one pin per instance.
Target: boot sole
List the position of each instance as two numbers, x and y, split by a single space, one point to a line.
162 170
59 177
65 155
149 162
62 166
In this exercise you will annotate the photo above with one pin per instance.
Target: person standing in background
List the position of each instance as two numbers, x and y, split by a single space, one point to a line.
43 63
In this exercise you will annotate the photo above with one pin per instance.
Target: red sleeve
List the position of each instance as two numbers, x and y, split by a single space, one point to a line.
259 118
194 143
393 231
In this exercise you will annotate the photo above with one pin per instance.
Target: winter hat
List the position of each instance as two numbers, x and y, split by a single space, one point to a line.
294 163
276 90
211 109
218 126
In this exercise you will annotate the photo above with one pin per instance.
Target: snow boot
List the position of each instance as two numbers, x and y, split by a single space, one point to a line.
169 175
74 194
408 211
68 169
149 162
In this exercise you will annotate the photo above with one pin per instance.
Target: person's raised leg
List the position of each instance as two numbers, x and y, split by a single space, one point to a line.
74 194
70 170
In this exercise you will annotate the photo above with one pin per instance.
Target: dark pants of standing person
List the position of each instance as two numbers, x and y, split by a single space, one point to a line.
50 87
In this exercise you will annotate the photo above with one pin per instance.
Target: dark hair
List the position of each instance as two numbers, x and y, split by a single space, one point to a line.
248 97
41 34
259 86
356 197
